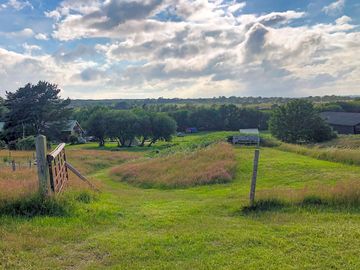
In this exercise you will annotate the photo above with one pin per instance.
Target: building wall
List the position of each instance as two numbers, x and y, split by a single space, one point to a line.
344 129
357 129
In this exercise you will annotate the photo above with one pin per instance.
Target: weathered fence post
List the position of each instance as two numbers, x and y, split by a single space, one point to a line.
254 176
42 165
13 165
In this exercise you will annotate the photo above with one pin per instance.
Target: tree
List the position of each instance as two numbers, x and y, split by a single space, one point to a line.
35 109
163 127
122 126
297 122
143 125
97 125
3 109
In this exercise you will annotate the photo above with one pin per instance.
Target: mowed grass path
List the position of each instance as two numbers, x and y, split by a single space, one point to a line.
195 228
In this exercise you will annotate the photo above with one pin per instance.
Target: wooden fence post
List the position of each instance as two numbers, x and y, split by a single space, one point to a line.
13 165
42 165
254 176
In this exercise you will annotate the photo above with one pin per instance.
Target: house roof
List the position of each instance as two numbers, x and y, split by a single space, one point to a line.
341 118
70 125
2 124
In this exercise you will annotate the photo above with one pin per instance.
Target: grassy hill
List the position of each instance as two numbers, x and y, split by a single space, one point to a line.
202 227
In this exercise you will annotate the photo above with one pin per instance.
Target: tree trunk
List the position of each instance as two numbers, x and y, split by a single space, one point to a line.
142 142
101 143
130 143
152 141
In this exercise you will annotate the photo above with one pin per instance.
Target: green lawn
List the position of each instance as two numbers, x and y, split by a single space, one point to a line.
194 228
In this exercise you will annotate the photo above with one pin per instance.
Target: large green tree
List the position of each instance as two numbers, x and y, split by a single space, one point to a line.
163 127
98 123
299 122
122 126
36 109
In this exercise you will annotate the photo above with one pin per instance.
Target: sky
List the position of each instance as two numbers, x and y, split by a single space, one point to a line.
97 49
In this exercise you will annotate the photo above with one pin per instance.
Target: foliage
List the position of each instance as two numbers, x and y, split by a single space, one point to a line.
3 109
35 205
73 139
125 126
97 125
224 117
27 143
298 122
35 109
162 127
143 125
122 125
2 144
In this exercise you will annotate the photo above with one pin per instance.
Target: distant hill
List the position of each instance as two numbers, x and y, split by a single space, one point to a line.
128 103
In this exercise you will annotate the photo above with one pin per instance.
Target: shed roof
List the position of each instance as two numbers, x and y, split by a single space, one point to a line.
254 131
341 118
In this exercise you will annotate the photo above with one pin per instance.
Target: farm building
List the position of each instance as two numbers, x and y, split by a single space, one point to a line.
247 136
191 130
73 128
343 122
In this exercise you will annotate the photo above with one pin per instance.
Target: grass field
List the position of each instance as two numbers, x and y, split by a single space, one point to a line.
203 227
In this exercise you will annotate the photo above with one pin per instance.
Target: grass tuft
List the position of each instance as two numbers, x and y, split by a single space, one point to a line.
264 205
36 205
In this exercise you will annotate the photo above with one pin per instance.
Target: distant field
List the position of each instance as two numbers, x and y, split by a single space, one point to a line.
202 227
343 149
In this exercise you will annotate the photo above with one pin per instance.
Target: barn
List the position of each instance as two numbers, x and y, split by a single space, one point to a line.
343 122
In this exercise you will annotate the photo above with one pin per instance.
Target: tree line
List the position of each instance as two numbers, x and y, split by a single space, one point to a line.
125 126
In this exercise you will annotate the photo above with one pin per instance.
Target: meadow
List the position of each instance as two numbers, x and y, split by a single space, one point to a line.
302 220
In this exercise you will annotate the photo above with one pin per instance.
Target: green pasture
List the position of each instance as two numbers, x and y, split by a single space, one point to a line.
204 227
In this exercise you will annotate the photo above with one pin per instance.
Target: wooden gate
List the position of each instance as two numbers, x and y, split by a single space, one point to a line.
58 168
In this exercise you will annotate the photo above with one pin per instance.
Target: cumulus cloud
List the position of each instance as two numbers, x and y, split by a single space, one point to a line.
18 5
334 8
191 48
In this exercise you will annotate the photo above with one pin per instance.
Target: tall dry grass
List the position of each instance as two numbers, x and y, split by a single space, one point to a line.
24 181
343 193
90 161
344 155
214 164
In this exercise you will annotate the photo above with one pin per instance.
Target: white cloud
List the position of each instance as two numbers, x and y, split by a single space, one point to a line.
343 20
16 4
212 49
41 36
30 48
22 34
334 8
236 7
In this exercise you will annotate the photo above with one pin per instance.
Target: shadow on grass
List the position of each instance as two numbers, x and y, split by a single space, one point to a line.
308 203
36 205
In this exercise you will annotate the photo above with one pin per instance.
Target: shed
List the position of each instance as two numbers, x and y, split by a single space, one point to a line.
247 136
343 122
73 128
191 130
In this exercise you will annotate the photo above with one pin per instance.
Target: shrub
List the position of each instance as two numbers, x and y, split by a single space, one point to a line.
73 139
25 144
36 205
2 144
